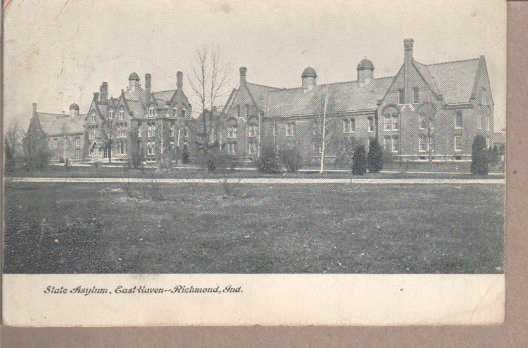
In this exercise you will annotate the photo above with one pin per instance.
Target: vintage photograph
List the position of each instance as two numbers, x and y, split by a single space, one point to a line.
254 138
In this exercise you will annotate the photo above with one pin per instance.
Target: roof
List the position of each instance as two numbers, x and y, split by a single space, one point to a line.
133 76
260 93
309 72
499 138
163 97
60 124
454 80
365 64
342 97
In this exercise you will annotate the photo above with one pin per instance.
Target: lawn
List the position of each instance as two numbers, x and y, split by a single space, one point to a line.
239 228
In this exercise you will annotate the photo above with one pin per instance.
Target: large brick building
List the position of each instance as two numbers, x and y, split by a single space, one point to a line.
149 122
423 110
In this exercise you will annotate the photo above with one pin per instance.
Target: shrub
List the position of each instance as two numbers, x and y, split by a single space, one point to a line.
268 162
36 151
291 159
216 160
345 150
359 161
185 154
375 157
9 158
493 155
479 156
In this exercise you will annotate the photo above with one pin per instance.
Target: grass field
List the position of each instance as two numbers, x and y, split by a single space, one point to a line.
195 228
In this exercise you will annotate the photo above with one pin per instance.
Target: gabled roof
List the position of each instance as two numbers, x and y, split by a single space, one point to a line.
163 97
259 93
342 97
60 124
455 80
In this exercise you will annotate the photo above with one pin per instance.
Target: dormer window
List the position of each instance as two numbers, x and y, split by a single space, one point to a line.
92 117
151 111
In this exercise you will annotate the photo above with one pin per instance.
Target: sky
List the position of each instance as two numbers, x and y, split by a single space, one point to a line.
59 51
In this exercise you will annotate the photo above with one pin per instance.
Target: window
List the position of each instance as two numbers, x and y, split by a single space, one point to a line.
186 133
479 122
150 148
122 132
252 148
231 132
485 121
483 99
388 122
387 143
349 125
422 143
316 149
111 113
182 113
274 129
231 148
171 131
238 110
151 111
92 117
459 119
252 131
122 147
422 121
395 122
395 143
316 127
91 133
416 95
371 124
151 131
139 132
121 114
458 143
401 96
290 129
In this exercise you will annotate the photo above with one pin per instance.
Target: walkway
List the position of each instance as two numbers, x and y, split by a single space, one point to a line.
410 181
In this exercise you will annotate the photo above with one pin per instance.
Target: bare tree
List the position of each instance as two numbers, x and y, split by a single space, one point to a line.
14 136
209 81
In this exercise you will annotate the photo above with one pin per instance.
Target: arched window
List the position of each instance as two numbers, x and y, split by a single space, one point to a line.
151 111
391 119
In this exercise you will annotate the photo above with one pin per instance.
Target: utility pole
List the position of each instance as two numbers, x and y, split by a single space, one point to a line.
323 135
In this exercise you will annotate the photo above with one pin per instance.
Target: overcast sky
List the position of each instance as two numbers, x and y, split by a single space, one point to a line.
58 51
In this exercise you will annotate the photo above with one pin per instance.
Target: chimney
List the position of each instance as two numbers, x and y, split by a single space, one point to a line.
34 109
96 96
148 84
179 80
103 93
243 71
408 45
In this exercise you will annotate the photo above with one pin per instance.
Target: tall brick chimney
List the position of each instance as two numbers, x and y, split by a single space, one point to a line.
34 109
148 85
243 72
179 80
103 90
408 50
96 96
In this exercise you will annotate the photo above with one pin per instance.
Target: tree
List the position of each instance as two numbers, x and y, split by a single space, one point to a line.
493 155
291 158
209 81
375 156
135 154
268 162
479 156
359 161
13 144
35 144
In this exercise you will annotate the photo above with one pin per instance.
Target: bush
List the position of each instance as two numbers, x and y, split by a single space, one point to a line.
375 157
493 155
268 162
291 159
345 150
359 161
185 154
479 156
36 151
216 160
9 158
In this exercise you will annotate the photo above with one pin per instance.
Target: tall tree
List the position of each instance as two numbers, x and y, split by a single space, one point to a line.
209 82
479 156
